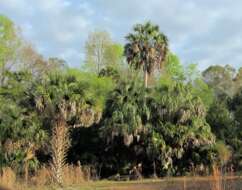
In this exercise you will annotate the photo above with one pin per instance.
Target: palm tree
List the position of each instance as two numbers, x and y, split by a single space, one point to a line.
126 112
147 48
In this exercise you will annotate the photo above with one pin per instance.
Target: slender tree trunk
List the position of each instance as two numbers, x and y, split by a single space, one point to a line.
146 78
26 171
154 169
2 77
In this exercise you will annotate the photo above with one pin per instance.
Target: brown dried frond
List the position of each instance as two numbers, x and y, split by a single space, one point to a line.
59 145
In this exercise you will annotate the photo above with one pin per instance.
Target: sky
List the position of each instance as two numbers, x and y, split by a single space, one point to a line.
206 32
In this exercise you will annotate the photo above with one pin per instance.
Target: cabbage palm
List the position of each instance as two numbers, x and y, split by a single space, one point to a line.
21 130
146 48
75 97
67 101
179 125
126 112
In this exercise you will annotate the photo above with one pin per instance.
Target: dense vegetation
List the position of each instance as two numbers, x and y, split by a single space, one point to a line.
127 106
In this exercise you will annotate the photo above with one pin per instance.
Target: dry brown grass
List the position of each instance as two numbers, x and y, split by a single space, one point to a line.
216 179
73 175
8 178
184 183
42 177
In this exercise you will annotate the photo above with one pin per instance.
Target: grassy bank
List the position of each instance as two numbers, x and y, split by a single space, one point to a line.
180 183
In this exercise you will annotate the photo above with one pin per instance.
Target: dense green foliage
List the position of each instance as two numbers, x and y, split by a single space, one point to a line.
184 120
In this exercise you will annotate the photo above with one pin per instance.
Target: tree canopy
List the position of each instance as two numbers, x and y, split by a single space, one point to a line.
113 123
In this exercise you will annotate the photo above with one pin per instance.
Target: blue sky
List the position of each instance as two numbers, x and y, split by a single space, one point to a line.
206 32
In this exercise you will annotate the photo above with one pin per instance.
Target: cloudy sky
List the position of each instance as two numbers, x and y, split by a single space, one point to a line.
206 32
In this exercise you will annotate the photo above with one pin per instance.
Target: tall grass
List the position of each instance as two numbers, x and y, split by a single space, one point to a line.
42 177
184 183
58 173
8 178
217 179
72 175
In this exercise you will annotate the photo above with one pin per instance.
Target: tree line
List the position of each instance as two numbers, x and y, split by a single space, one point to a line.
126 106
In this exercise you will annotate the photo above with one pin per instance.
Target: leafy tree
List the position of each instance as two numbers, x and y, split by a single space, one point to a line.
221 120
192 73
123 124
175 72
30 107
235 139
110 72
221 79
200 89
174 69
114 55
146 48
238 81
224 154
113 120
56 63
125 112
75 97
33 62
224 119
237 108
17 55
102 52
178 118
21 131
165 126
9 43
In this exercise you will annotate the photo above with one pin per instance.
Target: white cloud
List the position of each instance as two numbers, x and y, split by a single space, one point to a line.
203 31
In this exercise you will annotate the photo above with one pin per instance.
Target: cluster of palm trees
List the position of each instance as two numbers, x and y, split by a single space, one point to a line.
111 121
